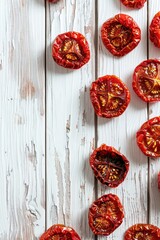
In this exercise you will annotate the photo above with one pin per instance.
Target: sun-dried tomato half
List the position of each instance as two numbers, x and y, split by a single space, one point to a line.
71 50
60 232
109 166
120 34
159 180
148 137
133 3
142 232
110 96
146 80
105 214
155 30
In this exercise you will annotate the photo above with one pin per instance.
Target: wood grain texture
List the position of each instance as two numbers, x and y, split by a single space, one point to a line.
70 122
37 192
22 119
120 132
154 110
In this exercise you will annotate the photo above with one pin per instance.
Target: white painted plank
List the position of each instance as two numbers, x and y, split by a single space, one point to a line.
120 132
22 120
70 122
154 110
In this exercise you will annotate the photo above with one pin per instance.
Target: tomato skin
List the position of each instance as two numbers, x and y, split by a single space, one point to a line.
142 231
71 50
154 30
134 4
53 1
109 96
131 33
107 212
146 80
159 180
117 165
66 233
148 137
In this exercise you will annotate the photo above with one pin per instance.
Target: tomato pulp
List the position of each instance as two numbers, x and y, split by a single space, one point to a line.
60 232
146 80
120 34
71 50
148 137
133 3
155 30
142 232
109 166
110 96
105 215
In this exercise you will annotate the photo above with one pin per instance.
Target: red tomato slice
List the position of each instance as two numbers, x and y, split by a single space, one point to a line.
71 50
146 80
155 30
159 180
110 96
105 215
120 34
148 137
142 232
133 3
60 232
109 166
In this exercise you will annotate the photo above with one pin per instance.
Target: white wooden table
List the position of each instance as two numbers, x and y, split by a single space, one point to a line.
48 126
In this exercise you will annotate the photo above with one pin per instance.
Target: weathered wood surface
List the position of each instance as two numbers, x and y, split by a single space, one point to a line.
45 177
22 119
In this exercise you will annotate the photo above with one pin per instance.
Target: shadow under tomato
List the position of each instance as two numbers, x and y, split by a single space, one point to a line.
86 233
154 194
118 5
136 103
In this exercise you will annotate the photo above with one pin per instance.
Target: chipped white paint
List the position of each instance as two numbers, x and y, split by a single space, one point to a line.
120 132
22 137
154 110
70 129
70 122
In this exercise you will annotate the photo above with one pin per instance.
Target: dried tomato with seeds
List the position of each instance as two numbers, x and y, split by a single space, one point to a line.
142 232
146 80
155 30
120 34
60 232
71 50
148 137
133 3
110 96
105 214
159 180
109 166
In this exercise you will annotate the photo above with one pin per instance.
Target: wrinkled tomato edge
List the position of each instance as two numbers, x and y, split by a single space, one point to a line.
92 213
136 4
135 81
57 229
96 104
58 43
126 21
154 30
110 150
140 136
141 227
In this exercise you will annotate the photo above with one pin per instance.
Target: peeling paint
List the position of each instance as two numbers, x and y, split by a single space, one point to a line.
27 90
31 154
